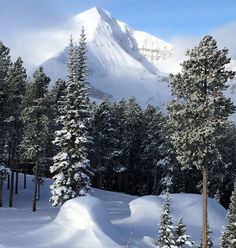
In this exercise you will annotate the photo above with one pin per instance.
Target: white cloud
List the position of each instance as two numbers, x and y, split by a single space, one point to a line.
35 48
180 45
225 37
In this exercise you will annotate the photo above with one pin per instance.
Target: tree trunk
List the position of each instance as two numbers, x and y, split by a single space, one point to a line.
35 187
11 187
1 186
16 183
155 181
204 208
8 182
24 180
38 190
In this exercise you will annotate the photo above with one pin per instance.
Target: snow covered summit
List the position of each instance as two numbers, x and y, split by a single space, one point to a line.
121 61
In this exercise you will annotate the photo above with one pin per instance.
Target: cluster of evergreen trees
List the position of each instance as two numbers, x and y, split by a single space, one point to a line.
130 149
133 153
170 235
175 236
118 145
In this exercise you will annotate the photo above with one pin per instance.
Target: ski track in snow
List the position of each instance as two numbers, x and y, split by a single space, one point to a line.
102 219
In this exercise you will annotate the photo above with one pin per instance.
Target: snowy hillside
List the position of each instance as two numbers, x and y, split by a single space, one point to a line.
119 58
104 219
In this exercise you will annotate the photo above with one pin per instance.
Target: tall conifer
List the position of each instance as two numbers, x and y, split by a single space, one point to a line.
228 239
71 166
199 111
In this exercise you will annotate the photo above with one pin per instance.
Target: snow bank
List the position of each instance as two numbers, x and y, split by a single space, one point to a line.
81 222
83 213
104 219
146 211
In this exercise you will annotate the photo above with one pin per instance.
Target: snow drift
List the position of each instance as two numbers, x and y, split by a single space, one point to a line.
104 219
85 222
82 222
145 216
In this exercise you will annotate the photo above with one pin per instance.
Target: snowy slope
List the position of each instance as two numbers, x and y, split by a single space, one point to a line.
102 220
116 60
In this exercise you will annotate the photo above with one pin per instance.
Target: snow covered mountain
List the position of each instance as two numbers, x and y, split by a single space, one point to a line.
121 60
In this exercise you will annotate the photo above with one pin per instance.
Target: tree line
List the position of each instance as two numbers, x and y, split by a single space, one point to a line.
120 146
130 150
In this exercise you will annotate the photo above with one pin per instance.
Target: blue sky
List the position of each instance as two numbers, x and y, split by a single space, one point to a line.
166 19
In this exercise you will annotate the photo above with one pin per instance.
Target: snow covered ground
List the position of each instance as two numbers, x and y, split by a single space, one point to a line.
103 219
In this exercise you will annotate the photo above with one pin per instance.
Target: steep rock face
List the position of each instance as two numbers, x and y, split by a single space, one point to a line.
118 63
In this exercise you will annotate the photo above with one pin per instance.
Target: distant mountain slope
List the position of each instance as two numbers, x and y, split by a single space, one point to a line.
121 60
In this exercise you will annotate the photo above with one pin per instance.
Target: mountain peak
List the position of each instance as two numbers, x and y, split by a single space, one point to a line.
101 11
91 19
119 58
95 12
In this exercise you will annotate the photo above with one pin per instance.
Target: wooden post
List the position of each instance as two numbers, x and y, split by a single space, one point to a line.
16 183
204 208
35 187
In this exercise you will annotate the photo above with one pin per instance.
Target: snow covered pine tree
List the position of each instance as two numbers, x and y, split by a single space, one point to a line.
71 167
35 131
209 238
228 239
16 88
5 65
199 111
182 240
166 237
4 172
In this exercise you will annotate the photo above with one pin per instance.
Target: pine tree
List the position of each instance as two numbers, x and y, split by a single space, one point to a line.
209 239
5 65
199 111
16 92
105 143
54 98
56 95
16 87
34 116
35 131
228 239
71 166
119 110
152 143
222 176
133 135
171 176
182 240
4 172
166 237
